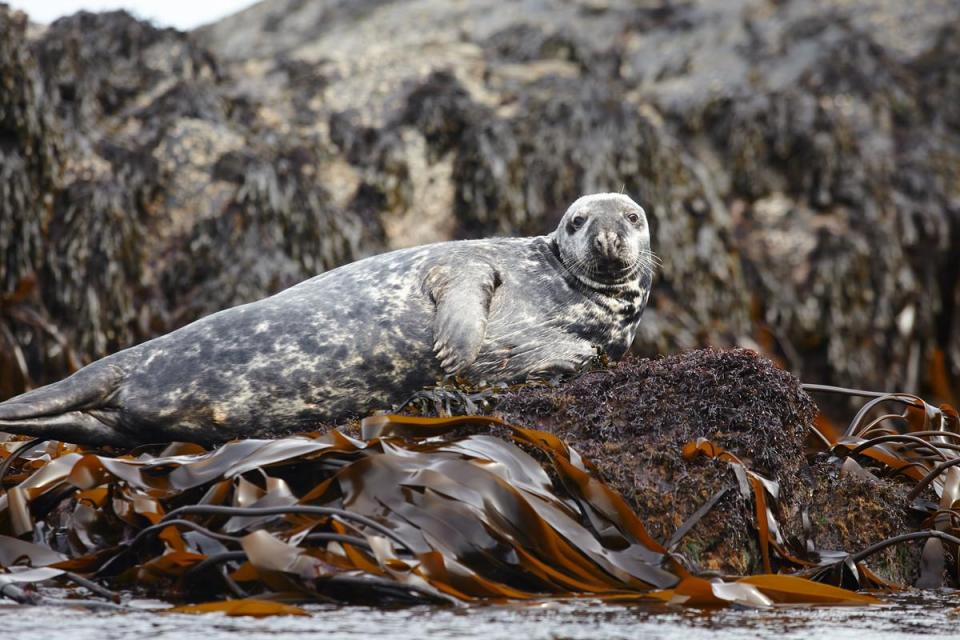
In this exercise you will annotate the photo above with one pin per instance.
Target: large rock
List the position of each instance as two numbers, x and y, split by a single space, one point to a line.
634 421
798 160
30 165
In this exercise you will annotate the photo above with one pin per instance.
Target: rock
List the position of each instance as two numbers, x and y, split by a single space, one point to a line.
632 422
798 161
29 152
144 192
30 166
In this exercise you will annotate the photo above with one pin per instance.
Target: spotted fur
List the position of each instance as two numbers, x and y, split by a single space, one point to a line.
366 335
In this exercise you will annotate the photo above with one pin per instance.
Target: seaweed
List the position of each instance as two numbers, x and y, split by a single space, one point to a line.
414 511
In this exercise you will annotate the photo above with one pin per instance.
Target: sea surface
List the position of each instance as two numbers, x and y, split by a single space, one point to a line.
908 615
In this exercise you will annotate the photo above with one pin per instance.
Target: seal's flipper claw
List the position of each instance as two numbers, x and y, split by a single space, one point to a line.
462 296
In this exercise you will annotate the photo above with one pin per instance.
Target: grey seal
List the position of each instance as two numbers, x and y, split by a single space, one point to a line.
366 335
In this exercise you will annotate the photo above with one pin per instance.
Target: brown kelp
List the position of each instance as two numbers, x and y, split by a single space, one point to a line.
441 510
898 435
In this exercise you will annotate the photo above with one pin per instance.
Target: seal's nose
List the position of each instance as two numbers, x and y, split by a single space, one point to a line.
607 244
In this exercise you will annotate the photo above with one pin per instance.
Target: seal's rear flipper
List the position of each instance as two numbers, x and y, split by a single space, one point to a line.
75 426
75 409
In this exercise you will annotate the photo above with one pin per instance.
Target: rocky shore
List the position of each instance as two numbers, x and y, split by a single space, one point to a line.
799 162
696 466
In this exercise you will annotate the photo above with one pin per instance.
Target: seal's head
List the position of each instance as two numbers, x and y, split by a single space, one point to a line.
604 238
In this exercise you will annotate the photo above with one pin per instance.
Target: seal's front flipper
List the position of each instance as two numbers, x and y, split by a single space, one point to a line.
462 294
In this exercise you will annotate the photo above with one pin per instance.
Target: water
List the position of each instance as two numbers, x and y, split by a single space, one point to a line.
904 616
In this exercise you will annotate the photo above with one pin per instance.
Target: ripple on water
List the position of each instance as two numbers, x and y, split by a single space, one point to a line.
906 616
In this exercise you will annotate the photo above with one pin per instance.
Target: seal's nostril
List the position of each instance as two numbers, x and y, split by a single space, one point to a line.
607 243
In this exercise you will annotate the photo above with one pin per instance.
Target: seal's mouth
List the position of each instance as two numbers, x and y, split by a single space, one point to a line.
613 269
614 265
599 269
621 268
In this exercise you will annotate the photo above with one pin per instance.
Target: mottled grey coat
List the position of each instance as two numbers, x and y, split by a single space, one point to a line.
366 335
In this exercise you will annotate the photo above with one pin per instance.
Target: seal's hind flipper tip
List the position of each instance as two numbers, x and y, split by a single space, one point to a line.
84 389
77 427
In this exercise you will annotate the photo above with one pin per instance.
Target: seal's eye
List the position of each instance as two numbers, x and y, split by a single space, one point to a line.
578 221
634 218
